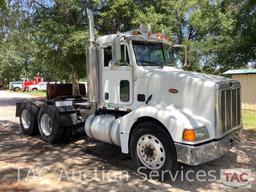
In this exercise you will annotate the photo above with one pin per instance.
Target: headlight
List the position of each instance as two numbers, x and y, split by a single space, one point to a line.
197 134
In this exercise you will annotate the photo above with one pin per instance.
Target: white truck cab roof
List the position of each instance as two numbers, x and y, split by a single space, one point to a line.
107 40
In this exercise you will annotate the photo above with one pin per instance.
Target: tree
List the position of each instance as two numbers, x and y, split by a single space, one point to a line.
115 13
16 43
2 22
61 38
241 47
219 34
2 4
226 37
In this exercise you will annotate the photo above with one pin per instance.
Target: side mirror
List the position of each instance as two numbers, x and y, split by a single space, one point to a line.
116 51
185 64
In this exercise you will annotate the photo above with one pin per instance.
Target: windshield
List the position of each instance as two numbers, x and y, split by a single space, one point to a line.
154 54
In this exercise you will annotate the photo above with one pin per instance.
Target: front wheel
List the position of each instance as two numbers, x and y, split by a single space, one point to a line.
153 150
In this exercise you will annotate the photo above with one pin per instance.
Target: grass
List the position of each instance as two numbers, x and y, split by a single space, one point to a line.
249 119
36 93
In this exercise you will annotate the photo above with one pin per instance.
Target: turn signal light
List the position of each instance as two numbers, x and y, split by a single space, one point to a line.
158 35
136 33
162 36
189 135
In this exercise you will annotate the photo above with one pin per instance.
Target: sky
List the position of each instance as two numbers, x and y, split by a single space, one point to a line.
48 2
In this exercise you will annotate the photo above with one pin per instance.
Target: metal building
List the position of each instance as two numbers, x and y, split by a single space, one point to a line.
247 78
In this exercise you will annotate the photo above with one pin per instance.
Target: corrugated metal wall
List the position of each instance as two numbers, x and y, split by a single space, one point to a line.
248 90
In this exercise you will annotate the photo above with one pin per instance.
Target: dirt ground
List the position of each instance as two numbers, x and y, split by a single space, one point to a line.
81 164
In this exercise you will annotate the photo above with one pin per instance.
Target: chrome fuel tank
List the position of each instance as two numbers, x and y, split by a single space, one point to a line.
104 128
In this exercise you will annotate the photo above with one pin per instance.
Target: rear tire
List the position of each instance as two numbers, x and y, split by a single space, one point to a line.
28 119
16 89
49 126
68 132
34 89
153 150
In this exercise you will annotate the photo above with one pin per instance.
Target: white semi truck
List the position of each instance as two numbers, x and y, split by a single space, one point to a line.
139 100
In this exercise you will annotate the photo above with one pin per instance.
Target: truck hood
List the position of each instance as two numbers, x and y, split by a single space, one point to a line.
195 92
193 76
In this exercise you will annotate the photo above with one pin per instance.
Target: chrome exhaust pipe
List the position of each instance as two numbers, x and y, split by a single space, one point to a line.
91 26
92 64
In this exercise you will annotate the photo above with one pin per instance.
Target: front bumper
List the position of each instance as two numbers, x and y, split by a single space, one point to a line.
195 155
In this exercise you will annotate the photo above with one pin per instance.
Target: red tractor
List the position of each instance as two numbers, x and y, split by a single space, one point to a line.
37 79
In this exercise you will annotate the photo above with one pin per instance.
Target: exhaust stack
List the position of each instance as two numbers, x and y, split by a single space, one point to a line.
91 26
92 64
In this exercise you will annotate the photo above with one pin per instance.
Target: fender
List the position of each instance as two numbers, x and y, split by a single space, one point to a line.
175 121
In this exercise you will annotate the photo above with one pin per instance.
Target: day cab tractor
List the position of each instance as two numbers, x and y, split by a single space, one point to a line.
139 100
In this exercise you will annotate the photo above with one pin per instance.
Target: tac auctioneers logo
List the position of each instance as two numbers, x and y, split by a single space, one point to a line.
237 178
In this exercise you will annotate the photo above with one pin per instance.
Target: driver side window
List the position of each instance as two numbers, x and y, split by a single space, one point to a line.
124 56
107 56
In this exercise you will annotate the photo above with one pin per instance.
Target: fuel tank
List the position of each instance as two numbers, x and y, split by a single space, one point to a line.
104 128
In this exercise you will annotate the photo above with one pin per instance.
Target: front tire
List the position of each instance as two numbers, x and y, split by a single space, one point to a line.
153 149
49 126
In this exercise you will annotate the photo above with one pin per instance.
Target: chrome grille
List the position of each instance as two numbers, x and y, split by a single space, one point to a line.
230 110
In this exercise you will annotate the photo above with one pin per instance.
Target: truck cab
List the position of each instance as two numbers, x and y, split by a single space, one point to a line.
139 75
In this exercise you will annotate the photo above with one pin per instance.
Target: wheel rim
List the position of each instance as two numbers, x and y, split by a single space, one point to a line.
46 124
25 119
151 151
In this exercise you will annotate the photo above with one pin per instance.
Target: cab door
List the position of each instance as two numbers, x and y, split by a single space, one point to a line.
117 81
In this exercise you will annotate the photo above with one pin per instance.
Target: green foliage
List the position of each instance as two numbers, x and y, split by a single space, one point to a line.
16 48
220 34
2 4
225 34
113 14
61 38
